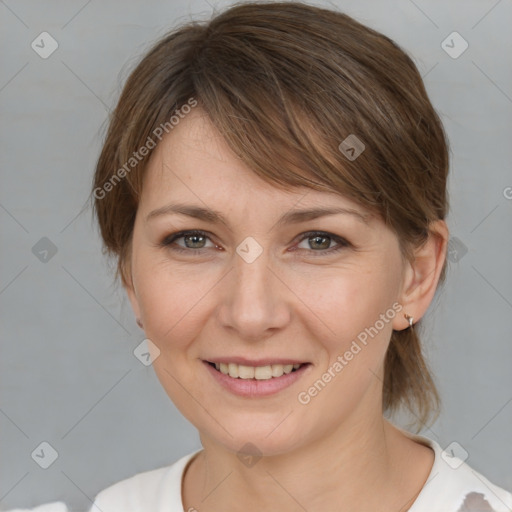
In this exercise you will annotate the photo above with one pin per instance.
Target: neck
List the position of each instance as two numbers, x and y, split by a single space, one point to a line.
364 464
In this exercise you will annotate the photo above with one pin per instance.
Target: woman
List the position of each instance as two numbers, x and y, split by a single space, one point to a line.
273 186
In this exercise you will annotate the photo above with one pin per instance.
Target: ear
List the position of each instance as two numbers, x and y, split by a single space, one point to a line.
421 275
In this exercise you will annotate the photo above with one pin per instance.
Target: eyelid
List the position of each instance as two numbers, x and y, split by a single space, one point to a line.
342 242
169 240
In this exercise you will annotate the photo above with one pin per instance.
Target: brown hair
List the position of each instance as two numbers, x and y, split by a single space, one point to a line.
285 84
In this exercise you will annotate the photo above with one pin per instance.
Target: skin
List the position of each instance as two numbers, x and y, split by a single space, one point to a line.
296 300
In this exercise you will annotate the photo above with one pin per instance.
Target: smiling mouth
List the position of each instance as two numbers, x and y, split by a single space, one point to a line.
239 371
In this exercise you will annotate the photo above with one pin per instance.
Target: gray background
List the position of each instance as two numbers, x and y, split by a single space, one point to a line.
68 373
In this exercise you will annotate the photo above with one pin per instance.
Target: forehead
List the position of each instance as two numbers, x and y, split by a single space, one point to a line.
193 163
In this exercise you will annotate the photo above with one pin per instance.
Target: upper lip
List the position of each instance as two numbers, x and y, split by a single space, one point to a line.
254 362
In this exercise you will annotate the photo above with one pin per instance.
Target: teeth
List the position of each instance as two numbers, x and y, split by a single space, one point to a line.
263 372
245 372
277 370
233 370
255 372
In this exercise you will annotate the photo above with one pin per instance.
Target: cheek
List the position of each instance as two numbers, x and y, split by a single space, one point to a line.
348 302
171 305
357 308
170 301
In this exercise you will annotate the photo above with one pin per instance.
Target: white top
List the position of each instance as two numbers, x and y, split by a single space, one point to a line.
48 507
452 486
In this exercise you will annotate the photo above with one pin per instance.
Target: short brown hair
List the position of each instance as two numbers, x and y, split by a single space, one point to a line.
285 84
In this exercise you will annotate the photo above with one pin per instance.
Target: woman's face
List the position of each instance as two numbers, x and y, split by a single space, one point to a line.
263 286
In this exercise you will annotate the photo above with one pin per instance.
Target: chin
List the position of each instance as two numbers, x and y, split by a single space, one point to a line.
263 436
258 443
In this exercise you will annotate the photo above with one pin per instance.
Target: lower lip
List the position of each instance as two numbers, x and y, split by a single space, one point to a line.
253 387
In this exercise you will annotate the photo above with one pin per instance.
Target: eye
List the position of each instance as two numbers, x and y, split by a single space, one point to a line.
320 242
194 241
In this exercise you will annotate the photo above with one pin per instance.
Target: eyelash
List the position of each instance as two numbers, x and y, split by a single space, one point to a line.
169 240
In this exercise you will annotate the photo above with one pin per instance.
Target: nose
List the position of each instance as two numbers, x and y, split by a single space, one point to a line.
255 302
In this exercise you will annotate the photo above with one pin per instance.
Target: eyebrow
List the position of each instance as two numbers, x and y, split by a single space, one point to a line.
291 217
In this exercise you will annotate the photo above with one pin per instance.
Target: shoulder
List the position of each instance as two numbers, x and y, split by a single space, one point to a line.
155 490
55 506
455 486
